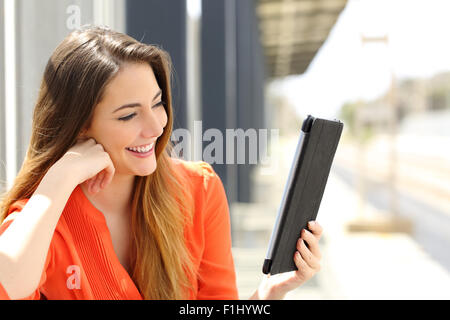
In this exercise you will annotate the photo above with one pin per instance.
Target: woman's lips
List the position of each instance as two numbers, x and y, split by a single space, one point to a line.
142 154
143 146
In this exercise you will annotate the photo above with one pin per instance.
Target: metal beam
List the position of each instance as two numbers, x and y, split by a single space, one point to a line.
293 31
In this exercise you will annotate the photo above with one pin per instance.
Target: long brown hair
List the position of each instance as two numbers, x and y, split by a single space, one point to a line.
73 84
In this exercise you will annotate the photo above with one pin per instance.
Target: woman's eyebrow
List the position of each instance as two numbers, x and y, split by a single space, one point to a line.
136 104
157 95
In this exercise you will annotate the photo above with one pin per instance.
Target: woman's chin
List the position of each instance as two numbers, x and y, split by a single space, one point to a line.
145 171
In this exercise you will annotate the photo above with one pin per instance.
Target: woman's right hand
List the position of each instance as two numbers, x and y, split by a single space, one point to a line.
88 161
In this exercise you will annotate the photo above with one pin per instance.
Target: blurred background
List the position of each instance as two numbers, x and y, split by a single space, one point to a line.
381 67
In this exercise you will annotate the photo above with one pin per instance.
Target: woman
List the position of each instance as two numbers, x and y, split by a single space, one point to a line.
99 209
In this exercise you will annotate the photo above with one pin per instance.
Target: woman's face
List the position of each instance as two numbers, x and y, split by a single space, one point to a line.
129 120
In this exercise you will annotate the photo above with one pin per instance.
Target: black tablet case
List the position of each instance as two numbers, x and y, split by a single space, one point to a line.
303 191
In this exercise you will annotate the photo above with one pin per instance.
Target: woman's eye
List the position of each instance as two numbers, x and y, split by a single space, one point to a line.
131 116
161 103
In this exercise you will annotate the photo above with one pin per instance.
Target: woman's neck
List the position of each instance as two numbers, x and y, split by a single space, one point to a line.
115 198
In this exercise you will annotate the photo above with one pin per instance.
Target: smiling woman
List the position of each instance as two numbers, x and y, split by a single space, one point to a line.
136 125
100 209
139 191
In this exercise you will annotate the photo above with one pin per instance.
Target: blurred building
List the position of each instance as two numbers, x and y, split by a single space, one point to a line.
223 51
415 98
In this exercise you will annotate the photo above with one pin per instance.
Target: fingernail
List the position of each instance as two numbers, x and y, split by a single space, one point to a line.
311 223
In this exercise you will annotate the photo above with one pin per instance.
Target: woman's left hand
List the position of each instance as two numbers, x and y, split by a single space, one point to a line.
307 261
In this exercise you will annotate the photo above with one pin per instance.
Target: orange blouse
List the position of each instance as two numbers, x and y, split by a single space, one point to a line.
81 262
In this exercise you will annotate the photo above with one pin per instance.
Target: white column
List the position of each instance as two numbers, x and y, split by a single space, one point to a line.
10 91
193 72
110 13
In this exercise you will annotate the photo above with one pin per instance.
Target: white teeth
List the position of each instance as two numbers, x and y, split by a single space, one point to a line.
142 149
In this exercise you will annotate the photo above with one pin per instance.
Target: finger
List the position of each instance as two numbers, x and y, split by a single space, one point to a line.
304 271
92 184
315 228
307 255
87 140
89 183
109 173
98 181
103 181
312 243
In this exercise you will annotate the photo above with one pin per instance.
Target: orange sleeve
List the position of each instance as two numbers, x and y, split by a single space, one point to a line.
217 277
36 295
3 293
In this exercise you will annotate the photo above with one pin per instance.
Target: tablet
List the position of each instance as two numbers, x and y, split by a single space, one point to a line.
303 191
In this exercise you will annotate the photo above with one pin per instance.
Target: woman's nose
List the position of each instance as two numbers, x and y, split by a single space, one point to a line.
152 126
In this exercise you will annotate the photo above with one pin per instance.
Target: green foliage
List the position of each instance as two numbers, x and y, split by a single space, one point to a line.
348 115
